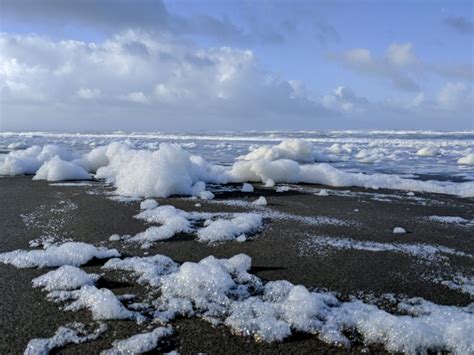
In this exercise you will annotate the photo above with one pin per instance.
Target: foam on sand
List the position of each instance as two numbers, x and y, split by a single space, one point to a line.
170 170
70 253
223 292
218 227
139 343
57 169
427 252
452 220
148 204
229 229
102 303
65 278
73 333
28 161
148 269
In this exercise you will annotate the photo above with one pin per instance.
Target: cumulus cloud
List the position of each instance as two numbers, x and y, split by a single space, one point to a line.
400 66
456 96
172 82
389 67
345 99
88 94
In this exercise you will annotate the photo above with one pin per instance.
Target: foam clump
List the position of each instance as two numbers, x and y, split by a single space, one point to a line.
17 145
28 161
148 204
102 303
139 343
294 149
246 187
57 169
261 201
64 278
427 152
467 160
399 230
170 170
269 183
93 160
229 229
70 253
172 221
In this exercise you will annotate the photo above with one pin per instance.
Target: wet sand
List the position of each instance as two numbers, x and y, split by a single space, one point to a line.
29 209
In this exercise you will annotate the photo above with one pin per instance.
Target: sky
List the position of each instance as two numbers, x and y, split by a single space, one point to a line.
156 65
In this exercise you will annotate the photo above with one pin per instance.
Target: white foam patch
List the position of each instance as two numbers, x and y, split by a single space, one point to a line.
399 230
223 292
229 229
17 145
218 227
427 152
139 343
460 283
70 253
467 160
289 171
172 221
170 170
65 278
149 269
70 334
425 251
294 149
57 169
261 201
28 161
148 204
247 188
102 303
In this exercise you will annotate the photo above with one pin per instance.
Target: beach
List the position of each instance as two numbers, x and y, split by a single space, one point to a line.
300 241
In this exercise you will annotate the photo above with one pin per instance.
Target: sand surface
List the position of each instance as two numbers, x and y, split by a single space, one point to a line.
29 209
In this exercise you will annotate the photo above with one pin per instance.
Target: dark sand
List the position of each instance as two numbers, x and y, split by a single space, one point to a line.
275 252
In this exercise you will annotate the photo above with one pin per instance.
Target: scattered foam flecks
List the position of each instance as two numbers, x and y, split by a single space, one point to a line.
453 220
322 244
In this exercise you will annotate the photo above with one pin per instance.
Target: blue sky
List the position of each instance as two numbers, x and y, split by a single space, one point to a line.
287 65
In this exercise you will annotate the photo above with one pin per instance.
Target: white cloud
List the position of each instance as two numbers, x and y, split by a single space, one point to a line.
179 83
344 99
400 66
389 67
455 96
88 94
137 97
418 99
400 54
140 81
